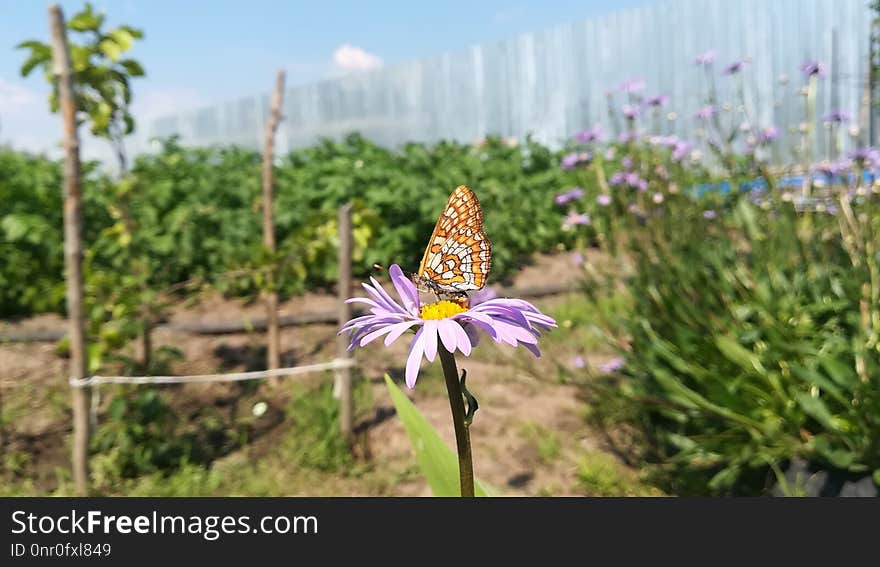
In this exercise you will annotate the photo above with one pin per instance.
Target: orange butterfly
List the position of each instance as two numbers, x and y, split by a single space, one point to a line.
458 256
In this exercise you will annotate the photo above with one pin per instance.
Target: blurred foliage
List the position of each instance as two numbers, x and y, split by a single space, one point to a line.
752 331
192 216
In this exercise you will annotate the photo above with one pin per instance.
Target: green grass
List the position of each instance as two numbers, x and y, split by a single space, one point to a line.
599 474
545 441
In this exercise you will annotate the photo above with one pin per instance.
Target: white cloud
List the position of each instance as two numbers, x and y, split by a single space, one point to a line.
347 58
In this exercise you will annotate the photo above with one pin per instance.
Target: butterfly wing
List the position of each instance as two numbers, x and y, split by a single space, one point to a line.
458 256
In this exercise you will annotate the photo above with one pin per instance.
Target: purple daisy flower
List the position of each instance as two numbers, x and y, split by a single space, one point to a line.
570 195
734 68
656 100
632 179
511 321
574 219
616 178
612 365
836 117
593 134
811 68
706 58
706 112
768 135
867 156
631 86
603 200
575 159
630 111
681 151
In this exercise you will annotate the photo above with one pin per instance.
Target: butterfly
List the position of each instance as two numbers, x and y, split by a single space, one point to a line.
459 255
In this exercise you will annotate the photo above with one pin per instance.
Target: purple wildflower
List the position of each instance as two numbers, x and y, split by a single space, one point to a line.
867 156
575 159
813 68
574 219
612 365
616 178
610 153
836 117
578 362
681 150
706 58
511 321
578 258
734 68
709 214
706 112
630 111
656 100
632 179
642 185
593 134
603 200
768 135
626 162
570 195
631 86
832 168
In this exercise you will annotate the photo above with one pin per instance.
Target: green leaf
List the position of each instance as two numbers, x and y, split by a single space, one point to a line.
816 408
110 48
839 372
739 355
838 457
438 462
86 20
132 67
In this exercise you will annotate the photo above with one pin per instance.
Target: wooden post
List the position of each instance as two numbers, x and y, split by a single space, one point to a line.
273 355
343 375
72 248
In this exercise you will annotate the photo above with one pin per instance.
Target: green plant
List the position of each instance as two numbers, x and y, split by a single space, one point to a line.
314 440
101 76
437 461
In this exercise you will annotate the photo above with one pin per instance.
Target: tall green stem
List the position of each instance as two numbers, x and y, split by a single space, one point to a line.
462 435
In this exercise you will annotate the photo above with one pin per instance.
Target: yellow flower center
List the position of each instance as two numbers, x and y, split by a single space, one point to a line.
441 310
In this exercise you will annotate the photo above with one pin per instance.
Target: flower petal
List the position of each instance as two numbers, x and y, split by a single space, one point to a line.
398 329
446 329
405 289
415 358
430 329
471 331
461 338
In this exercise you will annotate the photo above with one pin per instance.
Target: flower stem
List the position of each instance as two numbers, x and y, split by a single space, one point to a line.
462 435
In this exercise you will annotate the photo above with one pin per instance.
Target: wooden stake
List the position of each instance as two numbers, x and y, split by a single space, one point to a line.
343 375
273 355
72 248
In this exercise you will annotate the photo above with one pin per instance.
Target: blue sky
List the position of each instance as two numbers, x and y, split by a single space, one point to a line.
197 53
